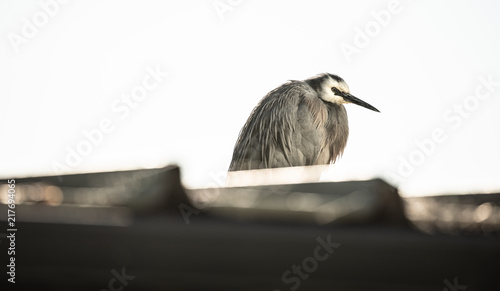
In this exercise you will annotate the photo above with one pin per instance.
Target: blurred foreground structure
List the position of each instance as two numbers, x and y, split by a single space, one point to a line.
141 230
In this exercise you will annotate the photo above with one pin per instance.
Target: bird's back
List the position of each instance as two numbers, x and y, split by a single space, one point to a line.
289 127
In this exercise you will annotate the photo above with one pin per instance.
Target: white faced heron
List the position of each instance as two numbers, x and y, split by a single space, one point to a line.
300 123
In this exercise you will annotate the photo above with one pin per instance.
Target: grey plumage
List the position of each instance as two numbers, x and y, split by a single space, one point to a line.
300 123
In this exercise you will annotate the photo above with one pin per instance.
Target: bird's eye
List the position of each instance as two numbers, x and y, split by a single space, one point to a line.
335 91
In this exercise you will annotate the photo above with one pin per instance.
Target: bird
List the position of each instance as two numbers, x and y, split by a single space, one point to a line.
300 123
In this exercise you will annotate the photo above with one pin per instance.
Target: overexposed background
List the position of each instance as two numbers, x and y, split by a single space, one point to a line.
64 67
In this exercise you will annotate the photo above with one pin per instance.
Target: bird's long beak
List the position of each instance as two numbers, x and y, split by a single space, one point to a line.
351 99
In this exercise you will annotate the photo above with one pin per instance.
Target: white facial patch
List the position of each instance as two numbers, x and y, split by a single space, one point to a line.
328 95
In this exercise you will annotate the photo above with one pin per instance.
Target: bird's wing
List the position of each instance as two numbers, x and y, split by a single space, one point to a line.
285 129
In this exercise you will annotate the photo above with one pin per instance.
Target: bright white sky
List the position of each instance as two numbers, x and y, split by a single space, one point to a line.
64 68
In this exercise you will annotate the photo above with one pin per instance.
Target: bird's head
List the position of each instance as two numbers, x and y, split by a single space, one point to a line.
331 88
